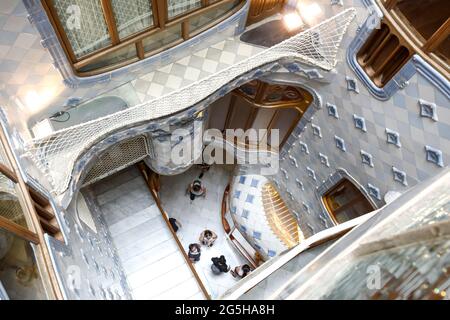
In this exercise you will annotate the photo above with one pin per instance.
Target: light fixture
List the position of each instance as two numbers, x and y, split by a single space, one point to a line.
310 12
42 129
292 21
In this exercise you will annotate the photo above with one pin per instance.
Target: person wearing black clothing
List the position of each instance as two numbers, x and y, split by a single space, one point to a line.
219 265
194 252
175 224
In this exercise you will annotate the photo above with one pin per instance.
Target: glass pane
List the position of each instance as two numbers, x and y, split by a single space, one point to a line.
443 50
132 16
112 58
197 23
84 25
19 275
162 39
9 202
425 16
177 7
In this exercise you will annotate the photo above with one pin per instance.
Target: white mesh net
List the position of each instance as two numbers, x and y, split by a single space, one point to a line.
56 154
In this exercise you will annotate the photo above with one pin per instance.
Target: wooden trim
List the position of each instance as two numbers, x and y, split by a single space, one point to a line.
44 213
359 197
162 13
226 227
8 173
146 173
155 14
193 14
18 230
261 9
411 41
185 29
438 37
108 14
160 22
282 105
42 252
138 37
59 30
140 50
37 197
48 226
390 4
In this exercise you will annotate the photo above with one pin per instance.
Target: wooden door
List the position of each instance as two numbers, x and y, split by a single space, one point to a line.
261 9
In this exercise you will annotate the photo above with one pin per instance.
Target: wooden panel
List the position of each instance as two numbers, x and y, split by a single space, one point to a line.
261 9
18 230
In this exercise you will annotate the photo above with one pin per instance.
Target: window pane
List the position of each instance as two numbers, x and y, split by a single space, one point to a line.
162 39
425 16
346 202
443 50
132 16
177 7
112 58
201 21
84 25
19 275
9 202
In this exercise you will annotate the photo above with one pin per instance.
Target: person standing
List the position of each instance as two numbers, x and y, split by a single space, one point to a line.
194 252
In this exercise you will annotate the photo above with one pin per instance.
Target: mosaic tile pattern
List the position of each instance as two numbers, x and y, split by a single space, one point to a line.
401 114
247 201
192 68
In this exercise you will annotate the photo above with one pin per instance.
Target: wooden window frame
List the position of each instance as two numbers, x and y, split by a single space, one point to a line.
42 211
358 198
410 36
34 233
160 23
370 51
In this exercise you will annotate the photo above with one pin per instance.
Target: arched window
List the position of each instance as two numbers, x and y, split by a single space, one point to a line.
344 201
102 35
409 27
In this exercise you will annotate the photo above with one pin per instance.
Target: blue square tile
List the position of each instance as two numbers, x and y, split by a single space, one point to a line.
257 235
243 228
242 180
245 213
255 183
237 194
271 253
250 198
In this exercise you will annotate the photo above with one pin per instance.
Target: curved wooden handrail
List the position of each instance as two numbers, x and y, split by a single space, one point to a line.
227 229
153 184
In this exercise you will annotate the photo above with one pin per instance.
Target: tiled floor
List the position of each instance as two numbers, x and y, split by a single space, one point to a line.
201 214
153 264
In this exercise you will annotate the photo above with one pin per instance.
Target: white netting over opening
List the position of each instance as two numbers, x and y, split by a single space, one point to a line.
56 154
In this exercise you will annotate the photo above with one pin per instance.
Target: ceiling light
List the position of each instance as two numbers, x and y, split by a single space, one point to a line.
310 12
292 21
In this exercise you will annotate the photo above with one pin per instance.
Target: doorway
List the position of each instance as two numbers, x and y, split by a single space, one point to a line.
260 105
